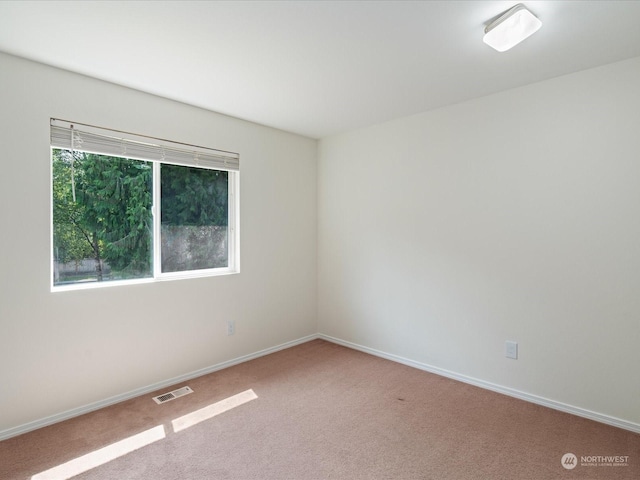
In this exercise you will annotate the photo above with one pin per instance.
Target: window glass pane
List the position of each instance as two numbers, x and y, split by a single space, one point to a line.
102 220
194 218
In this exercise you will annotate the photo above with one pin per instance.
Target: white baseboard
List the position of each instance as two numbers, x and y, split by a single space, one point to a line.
563 407
75 412
598 417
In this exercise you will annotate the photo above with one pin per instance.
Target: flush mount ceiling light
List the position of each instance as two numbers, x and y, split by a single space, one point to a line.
510 28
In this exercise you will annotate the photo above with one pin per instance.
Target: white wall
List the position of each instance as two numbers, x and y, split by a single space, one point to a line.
511 217
514 216
63 350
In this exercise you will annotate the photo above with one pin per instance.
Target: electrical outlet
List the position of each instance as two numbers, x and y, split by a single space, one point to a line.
231 327
511 350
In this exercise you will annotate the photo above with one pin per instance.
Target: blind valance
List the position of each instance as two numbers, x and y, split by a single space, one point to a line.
88 138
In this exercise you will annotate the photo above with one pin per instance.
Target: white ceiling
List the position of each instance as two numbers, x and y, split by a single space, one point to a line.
315 67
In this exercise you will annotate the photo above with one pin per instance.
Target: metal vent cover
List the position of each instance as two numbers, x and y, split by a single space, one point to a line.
167 397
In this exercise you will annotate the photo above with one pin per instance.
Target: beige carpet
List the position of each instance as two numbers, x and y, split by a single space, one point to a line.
322 411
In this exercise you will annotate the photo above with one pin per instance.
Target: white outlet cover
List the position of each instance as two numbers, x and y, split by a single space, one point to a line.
511 350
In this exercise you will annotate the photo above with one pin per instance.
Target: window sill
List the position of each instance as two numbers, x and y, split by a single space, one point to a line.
89 285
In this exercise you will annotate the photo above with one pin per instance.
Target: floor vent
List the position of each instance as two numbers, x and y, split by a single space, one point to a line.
167 397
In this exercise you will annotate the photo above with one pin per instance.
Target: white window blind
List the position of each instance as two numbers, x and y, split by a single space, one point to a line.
88 138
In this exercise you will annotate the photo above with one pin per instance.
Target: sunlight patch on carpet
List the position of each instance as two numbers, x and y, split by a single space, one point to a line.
212 410
104 455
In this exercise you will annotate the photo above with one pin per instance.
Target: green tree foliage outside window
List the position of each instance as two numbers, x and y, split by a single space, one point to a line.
102 212
103 222
194 196
194 206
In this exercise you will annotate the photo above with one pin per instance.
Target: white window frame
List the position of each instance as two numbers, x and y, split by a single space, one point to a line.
186 155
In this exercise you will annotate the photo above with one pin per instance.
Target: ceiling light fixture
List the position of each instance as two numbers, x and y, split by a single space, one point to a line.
510 28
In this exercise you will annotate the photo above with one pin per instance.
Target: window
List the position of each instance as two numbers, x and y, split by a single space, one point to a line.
129 208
